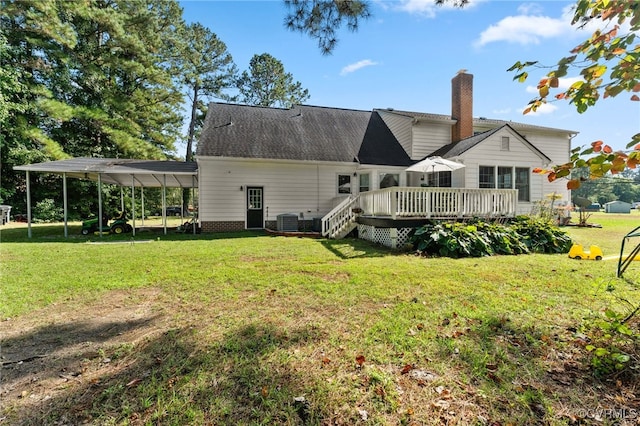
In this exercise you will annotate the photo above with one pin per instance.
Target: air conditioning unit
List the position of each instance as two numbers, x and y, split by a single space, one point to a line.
287 222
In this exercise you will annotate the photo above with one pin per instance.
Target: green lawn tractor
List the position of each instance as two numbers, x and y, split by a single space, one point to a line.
118 225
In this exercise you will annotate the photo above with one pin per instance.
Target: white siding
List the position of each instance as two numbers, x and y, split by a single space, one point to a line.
289 187
428 137
400 126
489 153
556 147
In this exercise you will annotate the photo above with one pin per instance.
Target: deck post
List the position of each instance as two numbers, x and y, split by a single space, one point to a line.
393 233
394 203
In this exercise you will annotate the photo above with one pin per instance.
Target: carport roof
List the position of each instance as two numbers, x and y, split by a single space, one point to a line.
123 172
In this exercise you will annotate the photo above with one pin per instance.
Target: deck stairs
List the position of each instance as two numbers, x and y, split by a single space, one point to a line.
342 219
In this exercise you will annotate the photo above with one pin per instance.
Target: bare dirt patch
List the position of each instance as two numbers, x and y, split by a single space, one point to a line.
67 345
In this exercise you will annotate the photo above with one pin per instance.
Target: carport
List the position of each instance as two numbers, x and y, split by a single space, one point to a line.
122 172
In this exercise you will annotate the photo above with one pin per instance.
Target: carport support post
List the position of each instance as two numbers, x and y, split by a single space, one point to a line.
100 204
164 203
64 203
28 206
142 206
195 217
133 203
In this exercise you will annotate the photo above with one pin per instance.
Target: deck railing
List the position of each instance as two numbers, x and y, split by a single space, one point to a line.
338 220
439 202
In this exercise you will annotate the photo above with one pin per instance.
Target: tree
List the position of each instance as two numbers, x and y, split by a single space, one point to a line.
608 50
204 68
320 19
94 82
95 72
622 187
267 84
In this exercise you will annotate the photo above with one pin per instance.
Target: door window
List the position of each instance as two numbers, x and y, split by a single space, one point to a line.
255 199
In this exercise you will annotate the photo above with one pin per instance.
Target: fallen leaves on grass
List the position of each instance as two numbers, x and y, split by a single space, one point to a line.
406 369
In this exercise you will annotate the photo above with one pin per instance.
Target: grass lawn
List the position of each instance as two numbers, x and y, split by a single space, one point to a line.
247 328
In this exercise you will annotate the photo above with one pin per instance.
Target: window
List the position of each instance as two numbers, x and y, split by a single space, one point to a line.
255 198
505 179
387 180
504 146
364 182
522 183
440 179
486 179
344 184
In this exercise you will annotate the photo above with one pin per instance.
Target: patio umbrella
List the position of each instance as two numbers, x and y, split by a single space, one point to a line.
434 164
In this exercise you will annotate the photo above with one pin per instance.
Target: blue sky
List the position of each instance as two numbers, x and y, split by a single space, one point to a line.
405 55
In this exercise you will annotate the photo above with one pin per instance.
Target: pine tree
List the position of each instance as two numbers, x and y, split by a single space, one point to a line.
267 84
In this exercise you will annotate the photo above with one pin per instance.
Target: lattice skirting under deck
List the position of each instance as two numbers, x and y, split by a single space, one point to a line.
395 238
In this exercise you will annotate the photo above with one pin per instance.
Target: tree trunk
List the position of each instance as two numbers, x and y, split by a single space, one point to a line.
186 193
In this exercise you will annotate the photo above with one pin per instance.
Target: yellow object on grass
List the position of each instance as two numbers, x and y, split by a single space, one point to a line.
578 253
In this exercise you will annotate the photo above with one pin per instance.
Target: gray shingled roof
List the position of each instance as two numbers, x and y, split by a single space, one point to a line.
418 115
518 126
306 133
477 121
460 147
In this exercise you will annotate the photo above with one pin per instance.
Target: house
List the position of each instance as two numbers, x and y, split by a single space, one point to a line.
257 163
617 207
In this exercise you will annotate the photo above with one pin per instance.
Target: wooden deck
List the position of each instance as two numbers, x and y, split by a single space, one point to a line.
417 205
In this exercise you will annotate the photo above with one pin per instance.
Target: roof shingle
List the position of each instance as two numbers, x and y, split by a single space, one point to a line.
305 133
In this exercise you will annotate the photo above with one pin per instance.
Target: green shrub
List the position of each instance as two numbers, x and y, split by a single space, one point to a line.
612 342
479 238
541 236
46 211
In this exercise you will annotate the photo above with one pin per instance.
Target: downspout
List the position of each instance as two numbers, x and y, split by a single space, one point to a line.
317 188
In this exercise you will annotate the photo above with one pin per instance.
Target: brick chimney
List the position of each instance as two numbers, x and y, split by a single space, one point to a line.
462 105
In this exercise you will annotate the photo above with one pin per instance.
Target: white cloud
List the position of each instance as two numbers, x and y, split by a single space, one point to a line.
523 29
542 110
422 7
530 9
531 27
429 9
356 66
563 84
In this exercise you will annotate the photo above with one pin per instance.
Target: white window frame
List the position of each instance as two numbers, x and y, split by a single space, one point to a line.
339 182
523 196
493 177
360 186
505 179
504 143
524 189
382 175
